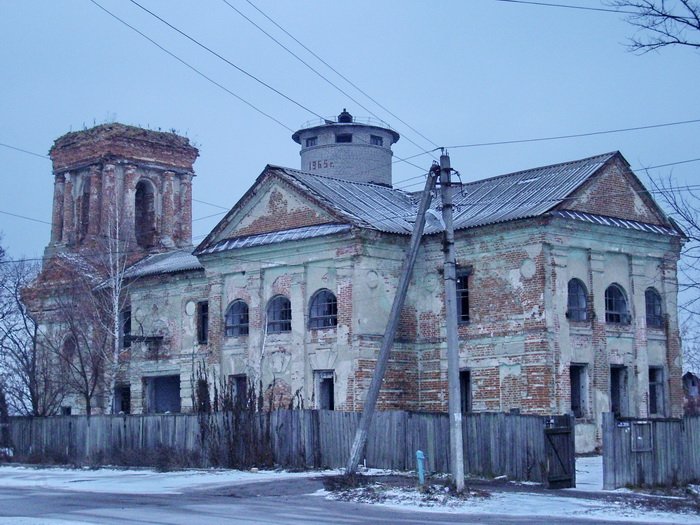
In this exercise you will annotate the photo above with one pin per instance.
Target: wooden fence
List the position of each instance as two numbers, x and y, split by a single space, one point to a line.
495 444
650 452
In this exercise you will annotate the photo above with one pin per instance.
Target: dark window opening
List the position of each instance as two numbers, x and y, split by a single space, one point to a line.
465 386
579 389
203 400
324 389
203 322
323 312
239 390
616 306
126 328
577 304
376 140
145 215
279 315
656 391
85 208
463 294
236 322
655 318
66 411
162 394
311 141
618 390
122 399
343 137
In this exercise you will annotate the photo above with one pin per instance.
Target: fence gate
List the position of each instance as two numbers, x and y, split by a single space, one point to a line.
560 452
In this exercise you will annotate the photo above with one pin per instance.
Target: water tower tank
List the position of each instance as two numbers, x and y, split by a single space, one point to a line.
347 148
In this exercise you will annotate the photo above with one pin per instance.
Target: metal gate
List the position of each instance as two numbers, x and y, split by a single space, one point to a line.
560 452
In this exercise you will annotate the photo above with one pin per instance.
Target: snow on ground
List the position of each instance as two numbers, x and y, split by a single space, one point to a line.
506 503
516 504
125 481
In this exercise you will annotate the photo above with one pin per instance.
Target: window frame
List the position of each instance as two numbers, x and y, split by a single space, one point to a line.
462 275
323 310
655 318
279 315
376 140
237 323
126 327
616 307
310 142
343 138
577 293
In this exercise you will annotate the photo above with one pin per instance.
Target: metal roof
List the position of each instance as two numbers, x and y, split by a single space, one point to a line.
517 195
367 205
522 194
296 234
176 261
614 221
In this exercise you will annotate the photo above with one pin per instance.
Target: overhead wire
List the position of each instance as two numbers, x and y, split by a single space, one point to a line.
191 67
346 79
226 60
310 67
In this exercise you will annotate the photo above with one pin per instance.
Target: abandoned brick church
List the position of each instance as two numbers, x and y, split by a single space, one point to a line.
566 280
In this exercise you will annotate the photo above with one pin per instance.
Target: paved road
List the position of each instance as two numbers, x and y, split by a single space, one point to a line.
289 502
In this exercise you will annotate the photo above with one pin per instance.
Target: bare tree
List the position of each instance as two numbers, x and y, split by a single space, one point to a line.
29 381
683 203
662 23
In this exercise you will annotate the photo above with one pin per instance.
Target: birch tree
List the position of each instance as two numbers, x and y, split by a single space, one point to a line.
28 377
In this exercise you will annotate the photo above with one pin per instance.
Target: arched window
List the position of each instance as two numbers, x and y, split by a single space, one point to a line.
68 353
236 322
145 214
323 312
616 305
655 318
577 305
279 315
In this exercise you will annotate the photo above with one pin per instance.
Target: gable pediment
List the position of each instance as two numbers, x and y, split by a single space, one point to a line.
271 205
615 191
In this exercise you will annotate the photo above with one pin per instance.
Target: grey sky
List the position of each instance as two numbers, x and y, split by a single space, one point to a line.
460 72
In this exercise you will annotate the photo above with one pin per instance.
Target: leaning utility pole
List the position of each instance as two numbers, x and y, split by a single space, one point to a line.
454 399
390 332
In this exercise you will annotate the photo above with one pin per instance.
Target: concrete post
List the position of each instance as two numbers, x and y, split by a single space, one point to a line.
454 404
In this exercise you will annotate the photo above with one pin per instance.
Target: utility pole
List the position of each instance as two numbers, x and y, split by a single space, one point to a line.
390 331
454 399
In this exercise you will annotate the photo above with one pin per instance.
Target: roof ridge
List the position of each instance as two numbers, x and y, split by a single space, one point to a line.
338 179
547 166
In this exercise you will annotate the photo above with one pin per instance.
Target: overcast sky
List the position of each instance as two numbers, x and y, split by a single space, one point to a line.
458 72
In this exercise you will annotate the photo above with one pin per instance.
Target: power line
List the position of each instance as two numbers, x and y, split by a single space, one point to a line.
191 67
340 74
567 6
25 151
227 61
573 136
309 66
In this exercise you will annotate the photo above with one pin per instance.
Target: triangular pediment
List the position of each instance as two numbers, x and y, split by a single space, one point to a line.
615 191
270 205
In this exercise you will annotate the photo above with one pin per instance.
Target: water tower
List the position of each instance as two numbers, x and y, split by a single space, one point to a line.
347 148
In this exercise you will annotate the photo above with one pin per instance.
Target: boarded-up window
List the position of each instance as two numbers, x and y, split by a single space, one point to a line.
162 394
578 378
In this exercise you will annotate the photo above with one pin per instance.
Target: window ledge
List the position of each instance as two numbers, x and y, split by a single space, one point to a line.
580 327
